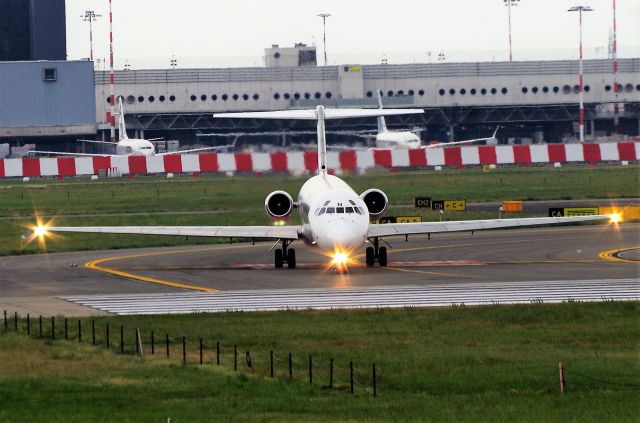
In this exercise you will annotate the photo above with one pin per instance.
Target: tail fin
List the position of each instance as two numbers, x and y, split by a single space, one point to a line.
382 124
121 128
322 142
495 132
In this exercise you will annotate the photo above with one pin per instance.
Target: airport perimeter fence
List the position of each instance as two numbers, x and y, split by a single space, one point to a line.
314 370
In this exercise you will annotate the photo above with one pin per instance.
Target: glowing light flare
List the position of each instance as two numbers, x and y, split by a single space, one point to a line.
39 231
615 217
279 222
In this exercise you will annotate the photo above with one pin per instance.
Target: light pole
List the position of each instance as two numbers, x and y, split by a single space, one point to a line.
614 51
510 3
173 62
90 16
324 17
581 9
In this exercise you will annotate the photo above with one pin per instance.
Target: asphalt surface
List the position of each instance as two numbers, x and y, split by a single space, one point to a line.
32 284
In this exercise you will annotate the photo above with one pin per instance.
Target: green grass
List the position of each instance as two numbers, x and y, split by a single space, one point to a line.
490 363
238 200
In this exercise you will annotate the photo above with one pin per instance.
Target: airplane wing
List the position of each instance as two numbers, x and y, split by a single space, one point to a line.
274 232
310 114
391 229
193 150
57 153
447 144
98 142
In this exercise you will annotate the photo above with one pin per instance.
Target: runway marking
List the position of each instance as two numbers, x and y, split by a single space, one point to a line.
614 255
436 295
94 265
424 272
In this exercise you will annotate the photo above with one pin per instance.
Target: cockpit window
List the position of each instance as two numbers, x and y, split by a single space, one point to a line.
358 210
349 209
145 148
352 202
322 210
340 210
326 203
331 210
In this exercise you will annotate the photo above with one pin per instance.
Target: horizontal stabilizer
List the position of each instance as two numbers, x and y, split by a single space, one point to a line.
310 114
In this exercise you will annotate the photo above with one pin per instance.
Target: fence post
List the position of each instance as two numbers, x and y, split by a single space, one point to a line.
290 366
15 321
66 328
108 335
247 359
271 363
561 374
235 358
139 349
167 345
217 353
5 321
310 370
184 350
153 344
53 327
331 374
79 330
351 375
93 332
201 346
121 339
40 325
28 324
375 391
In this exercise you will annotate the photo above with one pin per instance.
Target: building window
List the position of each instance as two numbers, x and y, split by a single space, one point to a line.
214 97
328 94
193 97
421 93
441 92
276 96
151 99
161 98
140 99
483 91
473 91
525 90
50 74
172 98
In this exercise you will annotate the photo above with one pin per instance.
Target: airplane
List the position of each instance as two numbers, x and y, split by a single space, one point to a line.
130 146
335 218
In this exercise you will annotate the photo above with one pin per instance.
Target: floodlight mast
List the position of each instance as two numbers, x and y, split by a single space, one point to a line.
510 3
614 50
580 10
90 16
324 17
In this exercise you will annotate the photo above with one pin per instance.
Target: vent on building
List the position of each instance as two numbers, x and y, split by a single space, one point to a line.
50 74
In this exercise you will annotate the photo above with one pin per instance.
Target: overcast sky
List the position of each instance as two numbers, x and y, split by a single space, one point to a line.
202 33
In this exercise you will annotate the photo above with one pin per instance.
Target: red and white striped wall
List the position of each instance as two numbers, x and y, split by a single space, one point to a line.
301 162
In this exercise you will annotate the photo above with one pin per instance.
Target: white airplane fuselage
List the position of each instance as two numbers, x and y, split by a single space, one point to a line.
334 217
134 147
400 139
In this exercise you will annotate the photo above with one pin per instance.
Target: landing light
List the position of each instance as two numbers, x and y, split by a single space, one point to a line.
616 218
340 259
279 223
40 231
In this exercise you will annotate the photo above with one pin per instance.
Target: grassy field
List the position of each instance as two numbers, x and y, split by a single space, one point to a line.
460 364
221 200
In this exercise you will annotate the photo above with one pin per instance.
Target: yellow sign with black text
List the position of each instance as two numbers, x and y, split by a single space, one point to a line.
408 219
455 205
581 211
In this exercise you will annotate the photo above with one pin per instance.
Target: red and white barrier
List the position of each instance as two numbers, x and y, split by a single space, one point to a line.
300 162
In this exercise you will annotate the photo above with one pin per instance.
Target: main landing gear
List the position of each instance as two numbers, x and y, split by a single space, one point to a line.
376 253
285 254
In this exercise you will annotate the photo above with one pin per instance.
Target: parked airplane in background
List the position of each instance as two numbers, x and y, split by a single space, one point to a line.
130 146
334 217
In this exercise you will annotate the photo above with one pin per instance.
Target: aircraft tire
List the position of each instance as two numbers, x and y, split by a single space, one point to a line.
291 258
382 256
370 256
279 259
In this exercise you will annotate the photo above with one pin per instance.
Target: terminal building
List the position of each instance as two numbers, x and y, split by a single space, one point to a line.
52 103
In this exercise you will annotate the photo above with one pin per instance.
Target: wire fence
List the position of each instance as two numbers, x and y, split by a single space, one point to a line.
201 351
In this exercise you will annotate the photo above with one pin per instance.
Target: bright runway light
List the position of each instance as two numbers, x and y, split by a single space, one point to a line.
40 231
340 259
616 218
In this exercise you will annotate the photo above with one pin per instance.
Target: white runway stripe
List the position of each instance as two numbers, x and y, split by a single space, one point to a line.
385 296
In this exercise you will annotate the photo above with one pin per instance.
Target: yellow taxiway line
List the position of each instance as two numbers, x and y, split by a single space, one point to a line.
95 265
612 255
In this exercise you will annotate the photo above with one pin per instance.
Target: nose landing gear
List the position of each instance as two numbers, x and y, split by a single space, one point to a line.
376 253
285 255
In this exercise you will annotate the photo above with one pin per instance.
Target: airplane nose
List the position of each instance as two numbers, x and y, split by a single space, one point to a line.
343 236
